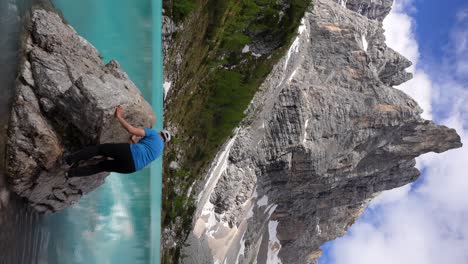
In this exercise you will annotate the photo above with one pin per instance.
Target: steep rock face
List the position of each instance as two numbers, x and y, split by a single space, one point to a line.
323 136
373 9
65 99
168 29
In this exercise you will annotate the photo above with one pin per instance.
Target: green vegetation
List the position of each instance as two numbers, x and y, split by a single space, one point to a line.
181 8
216 83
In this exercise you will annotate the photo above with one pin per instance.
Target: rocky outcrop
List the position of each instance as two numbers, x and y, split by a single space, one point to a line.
168 30
372 9
65 99
323 136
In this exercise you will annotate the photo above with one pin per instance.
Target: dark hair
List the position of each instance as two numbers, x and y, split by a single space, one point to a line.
162 135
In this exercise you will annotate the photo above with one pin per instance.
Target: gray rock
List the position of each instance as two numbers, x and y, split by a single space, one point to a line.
168 26
168 238
323 136
174 165
168 30
65 99
373 9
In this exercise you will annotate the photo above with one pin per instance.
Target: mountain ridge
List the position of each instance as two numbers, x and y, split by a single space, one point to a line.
325 133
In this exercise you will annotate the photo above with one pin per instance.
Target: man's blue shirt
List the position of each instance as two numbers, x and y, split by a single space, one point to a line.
149 148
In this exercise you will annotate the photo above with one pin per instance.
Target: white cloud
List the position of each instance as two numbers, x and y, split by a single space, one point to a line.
420 89
391 196
446 184
399 33
460 43
427 226
426 223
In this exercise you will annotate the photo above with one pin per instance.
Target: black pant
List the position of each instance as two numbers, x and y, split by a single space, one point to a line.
122 160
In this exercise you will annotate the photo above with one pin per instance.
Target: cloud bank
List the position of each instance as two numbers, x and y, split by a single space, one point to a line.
399 31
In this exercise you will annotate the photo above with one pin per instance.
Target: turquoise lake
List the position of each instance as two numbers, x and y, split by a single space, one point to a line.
120 221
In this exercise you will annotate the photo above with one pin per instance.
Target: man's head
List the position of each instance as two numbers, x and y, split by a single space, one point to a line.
165 135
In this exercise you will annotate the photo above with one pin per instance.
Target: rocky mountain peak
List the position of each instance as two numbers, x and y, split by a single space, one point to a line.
372 9
325 134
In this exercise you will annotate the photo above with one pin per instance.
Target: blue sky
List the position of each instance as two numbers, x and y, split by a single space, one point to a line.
426 222
434 19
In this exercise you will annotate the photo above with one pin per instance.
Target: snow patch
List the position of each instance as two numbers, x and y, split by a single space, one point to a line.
263 201
301 27
364 42
220 166
305 130
271 209
167 87
274 245
256 55
246 49
292 75
189 192
250 213
254 196
241 249
295 45
208 211
294 48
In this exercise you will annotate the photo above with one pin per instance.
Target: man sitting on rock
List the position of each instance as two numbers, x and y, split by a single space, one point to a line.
126 158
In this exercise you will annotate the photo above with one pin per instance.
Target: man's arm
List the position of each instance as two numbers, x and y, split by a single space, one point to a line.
131 129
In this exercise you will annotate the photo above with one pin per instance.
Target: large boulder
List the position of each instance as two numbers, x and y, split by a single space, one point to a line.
65 99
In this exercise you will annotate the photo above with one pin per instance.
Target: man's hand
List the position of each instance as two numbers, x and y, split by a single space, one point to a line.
134 139
140 132
119 111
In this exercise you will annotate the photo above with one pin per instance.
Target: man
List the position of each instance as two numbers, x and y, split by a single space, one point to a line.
126 158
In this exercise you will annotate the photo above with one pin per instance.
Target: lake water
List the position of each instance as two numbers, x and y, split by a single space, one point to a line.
120 221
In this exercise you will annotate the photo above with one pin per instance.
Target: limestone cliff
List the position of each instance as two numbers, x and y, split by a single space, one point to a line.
324 135
65 99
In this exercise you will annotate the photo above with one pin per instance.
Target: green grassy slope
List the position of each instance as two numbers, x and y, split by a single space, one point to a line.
216 83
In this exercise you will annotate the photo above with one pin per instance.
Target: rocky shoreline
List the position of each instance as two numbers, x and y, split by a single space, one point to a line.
65 99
